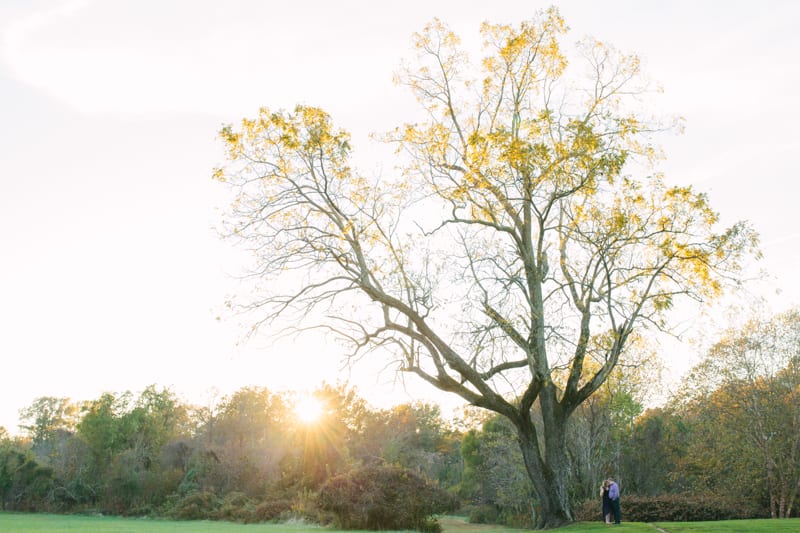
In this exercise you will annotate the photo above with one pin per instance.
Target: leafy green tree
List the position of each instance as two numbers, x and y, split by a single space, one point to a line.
140 479
158 417
248 416
103 426
126 438
516 242
655 452
47 416
24 482
414 436
494 476
50 424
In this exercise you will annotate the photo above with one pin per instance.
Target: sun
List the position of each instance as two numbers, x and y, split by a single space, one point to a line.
308 410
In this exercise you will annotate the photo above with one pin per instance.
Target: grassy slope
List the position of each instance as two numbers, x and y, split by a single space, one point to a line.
44 523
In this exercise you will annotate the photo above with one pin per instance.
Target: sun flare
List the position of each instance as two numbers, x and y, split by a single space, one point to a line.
308 410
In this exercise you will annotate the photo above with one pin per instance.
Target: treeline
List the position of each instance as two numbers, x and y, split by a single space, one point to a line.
727 446
245 457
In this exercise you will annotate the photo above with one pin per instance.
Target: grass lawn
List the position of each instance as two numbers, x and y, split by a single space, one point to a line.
459 525
452 524
789 525
47 523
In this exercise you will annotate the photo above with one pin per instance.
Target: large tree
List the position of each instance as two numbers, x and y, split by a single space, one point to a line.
516 253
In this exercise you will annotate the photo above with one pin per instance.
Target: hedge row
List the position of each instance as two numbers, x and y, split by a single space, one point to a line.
674 508
377 497
234 507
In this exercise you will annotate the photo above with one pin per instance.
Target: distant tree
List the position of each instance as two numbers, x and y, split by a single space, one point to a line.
46 418
494 478
103 426
414 432
654 459
76 475
123 439
249 415
326 443
601 428
158 416
242 445
413 435
746 403
515 248
141 478
204 417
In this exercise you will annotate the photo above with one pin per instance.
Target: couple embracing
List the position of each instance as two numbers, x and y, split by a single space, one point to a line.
609 492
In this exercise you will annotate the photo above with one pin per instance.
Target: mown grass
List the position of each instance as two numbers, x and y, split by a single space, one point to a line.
790 525
453 524
48 523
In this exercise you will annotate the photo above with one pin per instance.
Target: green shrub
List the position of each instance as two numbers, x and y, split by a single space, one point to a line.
236 507
483 514
195 506
430 525
384 497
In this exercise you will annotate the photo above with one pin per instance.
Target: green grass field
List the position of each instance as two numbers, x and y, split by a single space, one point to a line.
791 525
47 523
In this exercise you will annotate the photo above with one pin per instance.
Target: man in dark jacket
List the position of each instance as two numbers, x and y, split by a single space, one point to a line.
613 495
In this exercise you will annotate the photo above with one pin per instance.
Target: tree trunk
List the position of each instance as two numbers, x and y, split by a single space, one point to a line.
773 499
548 473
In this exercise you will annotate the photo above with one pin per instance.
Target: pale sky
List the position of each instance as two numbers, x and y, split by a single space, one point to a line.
111 276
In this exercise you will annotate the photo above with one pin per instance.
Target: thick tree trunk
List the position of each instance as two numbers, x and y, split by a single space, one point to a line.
548 472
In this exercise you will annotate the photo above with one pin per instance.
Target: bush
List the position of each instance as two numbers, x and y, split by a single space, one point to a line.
484 514
588 511
384 497
672 508
272 510
236 507
195 506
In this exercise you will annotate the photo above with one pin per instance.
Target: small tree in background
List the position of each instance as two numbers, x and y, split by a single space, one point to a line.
494 479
